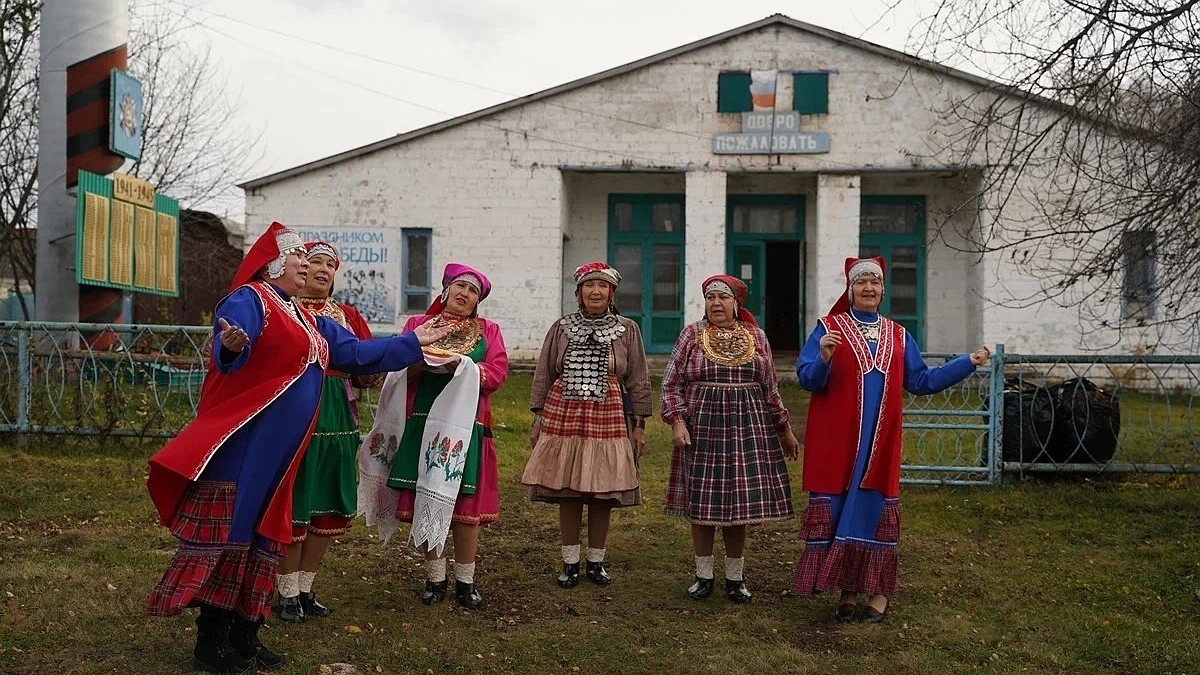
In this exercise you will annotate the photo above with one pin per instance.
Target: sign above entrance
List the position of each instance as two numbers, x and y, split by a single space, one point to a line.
771 133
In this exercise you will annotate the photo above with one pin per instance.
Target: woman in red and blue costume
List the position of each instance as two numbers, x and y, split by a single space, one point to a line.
857 364
224 484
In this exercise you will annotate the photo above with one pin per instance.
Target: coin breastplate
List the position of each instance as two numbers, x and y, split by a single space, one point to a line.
589 347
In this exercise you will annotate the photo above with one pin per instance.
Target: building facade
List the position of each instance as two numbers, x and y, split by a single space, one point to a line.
771 152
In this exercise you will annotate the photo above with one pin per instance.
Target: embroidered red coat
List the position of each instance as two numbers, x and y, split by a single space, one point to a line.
835 415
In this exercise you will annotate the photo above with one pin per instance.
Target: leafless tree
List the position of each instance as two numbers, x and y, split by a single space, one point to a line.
18 140
1090 148
193 148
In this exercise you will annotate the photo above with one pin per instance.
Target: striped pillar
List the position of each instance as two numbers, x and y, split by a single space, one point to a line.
89 83
80 43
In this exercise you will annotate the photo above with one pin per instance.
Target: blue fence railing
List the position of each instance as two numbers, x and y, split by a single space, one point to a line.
1022 413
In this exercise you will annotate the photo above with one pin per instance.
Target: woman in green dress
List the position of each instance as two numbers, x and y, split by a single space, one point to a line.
324 496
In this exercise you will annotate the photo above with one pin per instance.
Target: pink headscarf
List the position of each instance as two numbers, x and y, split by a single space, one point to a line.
455 272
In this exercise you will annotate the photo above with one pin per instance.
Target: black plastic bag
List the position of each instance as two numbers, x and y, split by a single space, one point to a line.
1029 412
1086 424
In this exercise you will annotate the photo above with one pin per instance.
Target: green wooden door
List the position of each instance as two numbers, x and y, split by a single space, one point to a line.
646 245
894 227
748 263
764 246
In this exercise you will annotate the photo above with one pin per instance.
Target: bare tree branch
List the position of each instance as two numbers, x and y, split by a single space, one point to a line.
193 147
1091 149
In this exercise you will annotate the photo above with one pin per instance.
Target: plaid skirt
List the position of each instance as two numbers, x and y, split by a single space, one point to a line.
834 560
206 569
583 452
734 472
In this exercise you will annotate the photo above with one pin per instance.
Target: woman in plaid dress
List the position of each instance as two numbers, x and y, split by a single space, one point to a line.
731 433
586 439
857 364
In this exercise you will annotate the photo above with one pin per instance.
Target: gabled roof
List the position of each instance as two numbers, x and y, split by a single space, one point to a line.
773 20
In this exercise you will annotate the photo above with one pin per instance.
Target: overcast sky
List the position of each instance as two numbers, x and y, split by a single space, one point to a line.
396 65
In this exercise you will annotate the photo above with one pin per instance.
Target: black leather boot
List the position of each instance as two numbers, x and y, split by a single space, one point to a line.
467 595
701 589
243 635
313 608
435 592
569 577
737 591
214 653
291 610
597 573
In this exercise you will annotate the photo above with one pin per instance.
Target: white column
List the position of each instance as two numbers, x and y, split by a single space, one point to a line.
836 238
704 253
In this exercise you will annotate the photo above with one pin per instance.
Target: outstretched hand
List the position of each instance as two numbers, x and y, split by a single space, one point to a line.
980 356
232 336
427 334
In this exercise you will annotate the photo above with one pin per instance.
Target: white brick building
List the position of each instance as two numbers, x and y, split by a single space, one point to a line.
621 166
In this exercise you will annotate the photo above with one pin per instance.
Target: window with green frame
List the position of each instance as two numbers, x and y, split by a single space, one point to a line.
893 226
733 92
810 93
646 243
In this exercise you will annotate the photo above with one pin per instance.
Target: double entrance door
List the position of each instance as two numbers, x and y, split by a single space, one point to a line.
765 248
646 245
765 236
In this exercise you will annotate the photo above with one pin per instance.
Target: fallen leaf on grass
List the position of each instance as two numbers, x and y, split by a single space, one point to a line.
353 630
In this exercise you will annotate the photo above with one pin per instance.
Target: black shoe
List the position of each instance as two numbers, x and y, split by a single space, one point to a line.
872 615
243 635
214 653
845 613
701 589
467 596
435 592
313 608
569 577
597 573
291 609
737 591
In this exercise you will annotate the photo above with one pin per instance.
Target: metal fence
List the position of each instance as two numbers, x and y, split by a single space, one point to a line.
1064 414
947 435
1121 414
99 380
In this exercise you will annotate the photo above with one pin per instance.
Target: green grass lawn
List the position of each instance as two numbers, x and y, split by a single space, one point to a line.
1073 576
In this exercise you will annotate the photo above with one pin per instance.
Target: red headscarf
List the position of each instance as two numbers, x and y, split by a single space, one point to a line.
866 266
276 242
323 248
739 293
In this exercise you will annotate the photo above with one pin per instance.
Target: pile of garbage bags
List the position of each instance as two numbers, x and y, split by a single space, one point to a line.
1075 422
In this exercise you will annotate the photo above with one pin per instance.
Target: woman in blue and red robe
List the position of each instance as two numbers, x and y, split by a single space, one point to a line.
857 364
224 485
